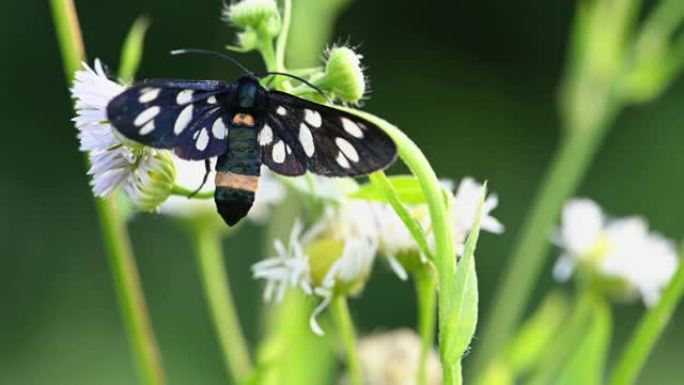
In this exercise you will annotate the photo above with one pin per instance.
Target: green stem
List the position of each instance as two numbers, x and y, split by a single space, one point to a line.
184 192
426 295
345 328
564 175
445 259
116 242
559 350
207 242
453 373
650 328
281 42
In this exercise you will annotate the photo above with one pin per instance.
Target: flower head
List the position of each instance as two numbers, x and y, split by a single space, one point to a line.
391 358
343 76
146 174
464 210
619 249
259 19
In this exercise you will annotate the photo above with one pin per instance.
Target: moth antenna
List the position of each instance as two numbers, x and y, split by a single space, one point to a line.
304 81
223 56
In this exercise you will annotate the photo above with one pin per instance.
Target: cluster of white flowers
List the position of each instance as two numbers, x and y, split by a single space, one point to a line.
621 249
143 172
363 229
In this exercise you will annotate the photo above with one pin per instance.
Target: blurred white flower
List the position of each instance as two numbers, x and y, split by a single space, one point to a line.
146 174
464 210
622 249
288 268
391 358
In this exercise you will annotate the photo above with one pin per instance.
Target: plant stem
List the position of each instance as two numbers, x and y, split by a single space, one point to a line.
426 296
445 259
569 165
130 293
650 328
281 42
116 242
566 341
207 242
345 328
184 192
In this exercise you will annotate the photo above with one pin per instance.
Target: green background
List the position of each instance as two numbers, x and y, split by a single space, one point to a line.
474 83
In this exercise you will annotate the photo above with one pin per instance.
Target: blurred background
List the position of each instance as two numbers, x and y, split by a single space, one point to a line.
473 83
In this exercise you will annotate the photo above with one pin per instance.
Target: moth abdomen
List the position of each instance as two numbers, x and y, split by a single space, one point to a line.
234 195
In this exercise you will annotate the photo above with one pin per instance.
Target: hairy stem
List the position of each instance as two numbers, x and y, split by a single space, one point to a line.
651 326
115 237
207 242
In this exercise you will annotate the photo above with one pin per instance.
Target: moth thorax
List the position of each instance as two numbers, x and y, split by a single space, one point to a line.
247 95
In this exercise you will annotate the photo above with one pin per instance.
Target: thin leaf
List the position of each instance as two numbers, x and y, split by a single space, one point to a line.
587 363
381 183
407 188
461 318
132 51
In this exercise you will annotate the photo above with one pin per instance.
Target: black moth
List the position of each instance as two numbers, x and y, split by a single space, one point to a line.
246 126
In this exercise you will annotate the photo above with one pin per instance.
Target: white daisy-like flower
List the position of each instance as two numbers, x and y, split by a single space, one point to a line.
622 249
288 268
391 358
464 210
352 267
146 174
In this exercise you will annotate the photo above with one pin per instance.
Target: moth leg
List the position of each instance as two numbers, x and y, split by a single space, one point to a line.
207 168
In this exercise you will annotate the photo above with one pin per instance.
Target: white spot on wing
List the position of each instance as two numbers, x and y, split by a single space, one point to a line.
183 120
184 97
281 111
146 116
352 128
148 94
279 152
313 118
211 99
347 149
202 140
265 135
342 161
219 129
147 128
306 139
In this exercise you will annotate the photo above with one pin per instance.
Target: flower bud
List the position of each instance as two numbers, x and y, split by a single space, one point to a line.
259 16
343 75
152 181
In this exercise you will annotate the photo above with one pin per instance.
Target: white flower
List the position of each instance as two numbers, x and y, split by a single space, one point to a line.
466 200
146 174
288 268
391 358
622 249
352 267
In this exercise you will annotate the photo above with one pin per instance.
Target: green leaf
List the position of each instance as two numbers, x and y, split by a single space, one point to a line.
587 362
383 184
407 187
458 326
533 338
131 53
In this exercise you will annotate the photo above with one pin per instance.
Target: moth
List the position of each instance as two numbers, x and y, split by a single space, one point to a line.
247 126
